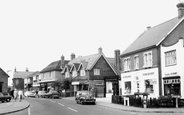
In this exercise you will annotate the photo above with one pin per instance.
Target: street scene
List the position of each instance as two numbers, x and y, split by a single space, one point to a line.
92 57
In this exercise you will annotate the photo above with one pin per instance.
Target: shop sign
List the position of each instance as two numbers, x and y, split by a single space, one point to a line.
171 74
127 76
75 83
149 73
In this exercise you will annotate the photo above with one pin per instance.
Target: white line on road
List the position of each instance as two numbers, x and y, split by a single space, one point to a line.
132 112
61 104
29 112
72 109
52 101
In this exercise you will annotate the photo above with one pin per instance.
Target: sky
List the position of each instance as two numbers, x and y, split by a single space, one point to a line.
34 33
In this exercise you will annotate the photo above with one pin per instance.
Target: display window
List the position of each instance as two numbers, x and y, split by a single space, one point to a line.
128 87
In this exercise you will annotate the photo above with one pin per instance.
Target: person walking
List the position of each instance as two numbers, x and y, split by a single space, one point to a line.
20 93
15 94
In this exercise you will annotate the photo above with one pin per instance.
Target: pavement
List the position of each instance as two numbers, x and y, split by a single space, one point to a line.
12 106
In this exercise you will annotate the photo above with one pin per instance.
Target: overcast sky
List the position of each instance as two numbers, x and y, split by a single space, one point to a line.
35 33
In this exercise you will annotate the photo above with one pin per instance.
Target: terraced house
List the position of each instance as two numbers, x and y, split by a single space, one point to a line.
154 63
95 72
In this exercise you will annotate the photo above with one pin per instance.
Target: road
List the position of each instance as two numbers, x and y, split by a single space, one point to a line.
42 106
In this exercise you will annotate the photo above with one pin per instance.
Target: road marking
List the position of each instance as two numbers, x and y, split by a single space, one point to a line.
72 109
29 112
52 101
61 104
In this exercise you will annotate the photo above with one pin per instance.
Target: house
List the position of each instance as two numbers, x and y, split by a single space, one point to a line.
18 78
92 72
51 73
3 81
143 62
172 55
31 82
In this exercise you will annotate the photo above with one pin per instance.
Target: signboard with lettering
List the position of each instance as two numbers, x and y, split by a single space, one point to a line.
168 74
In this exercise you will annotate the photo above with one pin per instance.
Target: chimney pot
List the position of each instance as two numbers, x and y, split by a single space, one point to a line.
99 50
180 7
62 61
72 56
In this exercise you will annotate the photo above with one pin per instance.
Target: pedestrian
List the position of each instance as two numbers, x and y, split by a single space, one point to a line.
15 94
36 93
20 93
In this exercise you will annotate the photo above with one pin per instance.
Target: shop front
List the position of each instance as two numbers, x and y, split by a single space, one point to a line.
140 81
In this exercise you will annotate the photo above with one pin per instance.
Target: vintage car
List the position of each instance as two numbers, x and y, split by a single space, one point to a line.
30 94
41 94
85 97
5 98
52 94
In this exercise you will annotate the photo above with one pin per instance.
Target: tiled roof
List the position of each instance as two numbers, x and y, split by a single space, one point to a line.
112 62
21 74
2 73
152 36
54 66
90 60
76 66
34 74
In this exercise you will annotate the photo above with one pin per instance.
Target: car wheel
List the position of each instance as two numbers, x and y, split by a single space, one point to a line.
7 100
94 103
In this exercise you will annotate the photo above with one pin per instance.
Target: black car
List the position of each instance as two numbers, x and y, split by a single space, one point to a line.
5 98
85 97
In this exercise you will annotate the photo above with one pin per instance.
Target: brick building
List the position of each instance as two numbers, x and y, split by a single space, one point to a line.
3 81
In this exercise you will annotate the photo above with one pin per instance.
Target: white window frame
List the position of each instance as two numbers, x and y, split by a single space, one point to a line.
66 74
74 73
82 72
170 58
96 71
136 62
148 59
127 64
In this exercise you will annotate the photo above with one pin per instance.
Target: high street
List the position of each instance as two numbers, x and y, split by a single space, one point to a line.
42 106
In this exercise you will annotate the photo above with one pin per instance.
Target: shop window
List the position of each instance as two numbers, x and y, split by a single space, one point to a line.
127 87
149 86
170 58
172 87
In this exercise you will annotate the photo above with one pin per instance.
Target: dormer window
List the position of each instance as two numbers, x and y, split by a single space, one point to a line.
74 73
96 71
82 73
66 74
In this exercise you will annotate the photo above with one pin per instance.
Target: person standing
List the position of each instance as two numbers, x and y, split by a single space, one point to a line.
15 94
20 93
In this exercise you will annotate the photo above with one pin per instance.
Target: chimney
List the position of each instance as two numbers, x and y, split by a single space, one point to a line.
99 50
15 69
62 61
180 7
27 70
72 56
117 59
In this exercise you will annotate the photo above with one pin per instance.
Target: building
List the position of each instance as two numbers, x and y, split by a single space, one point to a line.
18 78
172 55
149 63
92 72
50 74
31 82
3 81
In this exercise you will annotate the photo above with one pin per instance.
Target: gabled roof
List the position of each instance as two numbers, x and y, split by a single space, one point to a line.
83 64
153 36
2 73
67 67
21 74
75 65
112 63
90 60
54 66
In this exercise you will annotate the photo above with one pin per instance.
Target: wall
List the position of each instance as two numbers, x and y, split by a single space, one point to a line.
4 79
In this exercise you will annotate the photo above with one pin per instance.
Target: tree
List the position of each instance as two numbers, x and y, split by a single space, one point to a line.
66 84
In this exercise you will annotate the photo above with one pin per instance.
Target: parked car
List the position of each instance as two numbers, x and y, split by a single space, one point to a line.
85 97
5 98
53 94
41 94
30 94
